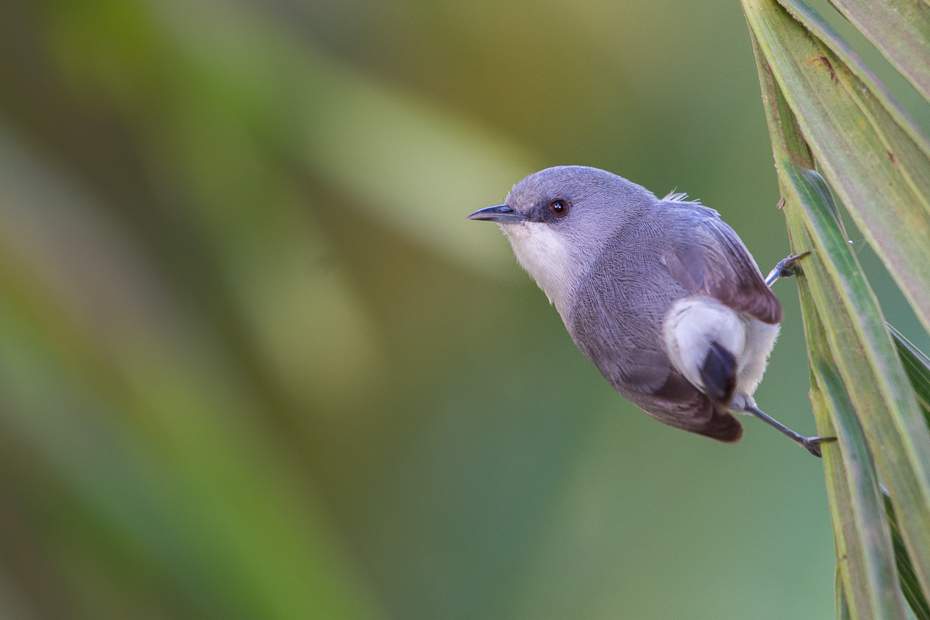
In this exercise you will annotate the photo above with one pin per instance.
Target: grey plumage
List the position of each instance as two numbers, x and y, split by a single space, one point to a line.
669 251
660 294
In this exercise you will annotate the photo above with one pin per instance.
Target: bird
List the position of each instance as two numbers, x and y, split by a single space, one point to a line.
661 295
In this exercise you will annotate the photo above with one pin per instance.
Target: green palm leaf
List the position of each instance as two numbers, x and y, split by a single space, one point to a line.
900 29
826 110
866 147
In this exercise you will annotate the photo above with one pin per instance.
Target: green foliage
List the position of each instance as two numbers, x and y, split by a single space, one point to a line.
254 362
917 366
900 29
826 110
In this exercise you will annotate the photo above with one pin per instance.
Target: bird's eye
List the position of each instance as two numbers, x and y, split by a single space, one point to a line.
559 208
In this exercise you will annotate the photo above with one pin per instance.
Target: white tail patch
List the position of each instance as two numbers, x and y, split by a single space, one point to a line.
760 339
690 327
693 323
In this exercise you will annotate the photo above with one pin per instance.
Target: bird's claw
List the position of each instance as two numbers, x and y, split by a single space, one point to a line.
812 444
785 268
788 266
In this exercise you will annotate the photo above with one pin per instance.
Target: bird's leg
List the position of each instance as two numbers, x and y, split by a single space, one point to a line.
785 268
812 444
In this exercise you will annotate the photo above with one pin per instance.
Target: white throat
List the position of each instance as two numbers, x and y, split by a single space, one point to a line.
545 256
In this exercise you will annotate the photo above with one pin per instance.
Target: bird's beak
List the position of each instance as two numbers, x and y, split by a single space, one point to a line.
501 214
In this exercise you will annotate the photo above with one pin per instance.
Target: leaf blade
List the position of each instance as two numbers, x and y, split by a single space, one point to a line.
900 30
910 584
894 424
820 28
917 367
850 137
866 576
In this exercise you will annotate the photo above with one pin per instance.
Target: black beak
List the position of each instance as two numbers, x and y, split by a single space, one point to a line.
501 214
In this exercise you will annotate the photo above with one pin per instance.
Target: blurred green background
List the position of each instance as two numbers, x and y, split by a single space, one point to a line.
255 363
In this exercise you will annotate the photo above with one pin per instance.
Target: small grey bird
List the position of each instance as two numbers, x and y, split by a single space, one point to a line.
661 295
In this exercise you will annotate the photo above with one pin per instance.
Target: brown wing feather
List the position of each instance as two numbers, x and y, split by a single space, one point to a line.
715 262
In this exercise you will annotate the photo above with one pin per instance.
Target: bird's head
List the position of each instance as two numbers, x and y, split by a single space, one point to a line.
560 219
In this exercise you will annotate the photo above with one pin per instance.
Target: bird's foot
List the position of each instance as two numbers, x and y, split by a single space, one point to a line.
785 268
812 444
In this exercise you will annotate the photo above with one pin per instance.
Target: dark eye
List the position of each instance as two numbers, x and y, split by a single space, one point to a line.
558 208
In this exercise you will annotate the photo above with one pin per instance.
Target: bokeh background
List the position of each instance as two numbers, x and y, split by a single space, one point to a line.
255 363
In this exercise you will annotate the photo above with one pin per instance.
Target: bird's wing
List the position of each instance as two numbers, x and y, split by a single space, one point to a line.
619 307
616 322
713 261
